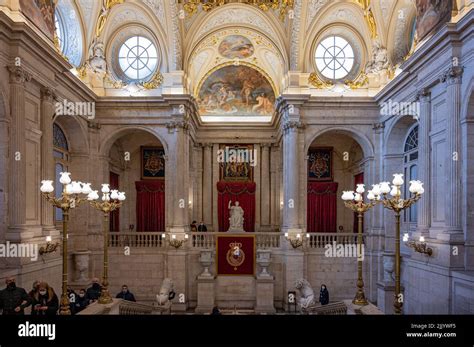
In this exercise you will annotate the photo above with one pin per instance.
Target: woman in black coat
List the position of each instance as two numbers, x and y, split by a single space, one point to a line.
45 302
324 295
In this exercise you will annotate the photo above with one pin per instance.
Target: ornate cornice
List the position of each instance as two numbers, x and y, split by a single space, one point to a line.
18 75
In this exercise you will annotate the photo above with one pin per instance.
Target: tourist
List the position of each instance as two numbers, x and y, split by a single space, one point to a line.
125 294
45 302
93 292
215 311
81 301
34 288
13 299
193 226
202 226
324 295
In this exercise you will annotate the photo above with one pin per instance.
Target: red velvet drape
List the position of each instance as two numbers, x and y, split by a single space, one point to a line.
114 220
150 205
358 179
244 193
322 207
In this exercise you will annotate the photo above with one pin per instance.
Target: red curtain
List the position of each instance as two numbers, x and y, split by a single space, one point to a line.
150 205
322 207
244 193
114 220
358 179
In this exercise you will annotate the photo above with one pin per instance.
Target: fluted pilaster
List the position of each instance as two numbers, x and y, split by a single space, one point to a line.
424 171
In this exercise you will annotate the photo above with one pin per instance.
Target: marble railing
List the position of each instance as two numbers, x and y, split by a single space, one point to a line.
201 240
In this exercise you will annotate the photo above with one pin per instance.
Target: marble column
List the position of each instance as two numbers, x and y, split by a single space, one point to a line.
424 162
207 184
17 181
265 186
291 175
47 161
453 79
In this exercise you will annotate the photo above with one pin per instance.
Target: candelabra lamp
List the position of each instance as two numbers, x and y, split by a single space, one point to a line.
111 201
176 241
68 200
420 247
295 239
355 201
49 247
397 204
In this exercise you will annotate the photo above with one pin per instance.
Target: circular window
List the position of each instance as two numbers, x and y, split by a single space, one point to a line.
138 58
334 57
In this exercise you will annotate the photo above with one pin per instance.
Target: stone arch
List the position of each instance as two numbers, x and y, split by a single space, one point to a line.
75 133
361 139
396 133
112 137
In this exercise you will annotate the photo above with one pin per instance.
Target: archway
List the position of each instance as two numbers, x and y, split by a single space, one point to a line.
136 164
336 162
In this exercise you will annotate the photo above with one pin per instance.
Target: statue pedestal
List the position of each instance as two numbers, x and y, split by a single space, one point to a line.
205 294
264 295
236 231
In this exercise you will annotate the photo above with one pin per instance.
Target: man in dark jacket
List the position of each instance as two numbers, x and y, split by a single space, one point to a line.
81 301
202 226
93 292
13 299
125 294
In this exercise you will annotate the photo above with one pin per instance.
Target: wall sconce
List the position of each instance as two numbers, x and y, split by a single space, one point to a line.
190 204
50 247
295 239
420 247
175 240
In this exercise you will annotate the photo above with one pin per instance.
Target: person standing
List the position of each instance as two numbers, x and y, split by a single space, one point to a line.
202 226
45 301
125 294
13 299
324 295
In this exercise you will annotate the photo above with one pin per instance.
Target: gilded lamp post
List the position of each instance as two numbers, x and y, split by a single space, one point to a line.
355 201
68 200
111 201
397 204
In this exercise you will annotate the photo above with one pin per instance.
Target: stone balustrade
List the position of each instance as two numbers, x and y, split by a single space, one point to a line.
206 240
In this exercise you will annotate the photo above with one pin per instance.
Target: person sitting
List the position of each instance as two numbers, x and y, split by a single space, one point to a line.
202 226
93 292
13 299
81 301
125 294
45 302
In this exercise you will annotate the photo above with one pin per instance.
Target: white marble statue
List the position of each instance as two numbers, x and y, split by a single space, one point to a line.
97 59
166 293
236 220
379 60
306 294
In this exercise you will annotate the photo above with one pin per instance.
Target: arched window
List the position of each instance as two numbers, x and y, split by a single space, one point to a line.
138 58
61 158
410 160
334 57
69 31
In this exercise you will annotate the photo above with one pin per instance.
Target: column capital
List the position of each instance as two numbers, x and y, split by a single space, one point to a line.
177 124
266 145
18 75
378 127
292 125
423 95
453 75
206 145
48 94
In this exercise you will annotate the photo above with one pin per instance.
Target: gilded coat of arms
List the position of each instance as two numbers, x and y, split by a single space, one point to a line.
235 255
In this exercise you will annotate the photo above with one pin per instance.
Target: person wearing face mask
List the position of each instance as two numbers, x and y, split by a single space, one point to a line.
81 301
34 288
125 294
71 294
324 295
13 299
45 301
93 292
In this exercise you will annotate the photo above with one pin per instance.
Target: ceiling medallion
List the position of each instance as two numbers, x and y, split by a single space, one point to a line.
284 6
